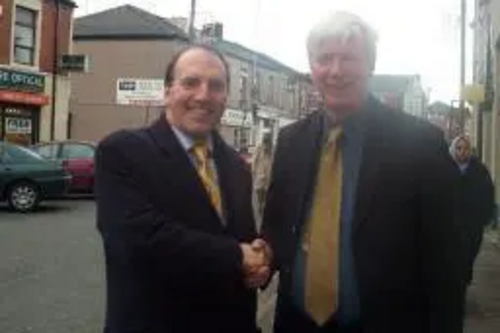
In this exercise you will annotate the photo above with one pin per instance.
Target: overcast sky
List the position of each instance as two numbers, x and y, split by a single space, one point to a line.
415 37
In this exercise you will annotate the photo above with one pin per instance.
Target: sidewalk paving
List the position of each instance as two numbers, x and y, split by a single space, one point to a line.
483 308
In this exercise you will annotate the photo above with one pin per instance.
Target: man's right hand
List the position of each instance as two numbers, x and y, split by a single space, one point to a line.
256 263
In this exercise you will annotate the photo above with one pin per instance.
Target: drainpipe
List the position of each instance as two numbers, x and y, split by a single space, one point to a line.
55 71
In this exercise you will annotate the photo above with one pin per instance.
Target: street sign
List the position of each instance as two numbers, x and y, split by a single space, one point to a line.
140 92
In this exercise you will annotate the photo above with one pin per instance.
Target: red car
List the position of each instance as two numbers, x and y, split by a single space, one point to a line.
77 158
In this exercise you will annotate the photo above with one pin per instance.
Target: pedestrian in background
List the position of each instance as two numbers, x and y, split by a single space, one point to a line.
476 200
261 170
175 214
359 212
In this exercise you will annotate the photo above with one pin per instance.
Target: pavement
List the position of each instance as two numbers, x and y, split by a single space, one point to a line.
483 301
52 277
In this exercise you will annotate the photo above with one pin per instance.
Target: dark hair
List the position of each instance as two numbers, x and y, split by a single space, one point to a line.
169 73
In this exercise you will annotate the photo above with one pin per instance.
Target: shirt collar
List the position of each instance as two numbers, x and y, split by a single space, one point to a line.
351 125
187 142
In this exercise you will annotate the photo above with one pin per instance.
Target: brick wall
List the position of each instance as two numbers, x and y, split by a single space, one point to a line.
48 33
5 30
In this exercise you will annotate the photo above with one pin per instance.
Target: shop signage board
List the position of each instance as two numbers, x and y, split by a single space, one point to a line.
14 80
140 92
237 118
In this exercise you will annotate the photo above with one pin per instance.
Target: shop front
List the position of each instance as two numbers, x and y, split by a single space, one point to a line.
236 128
21 99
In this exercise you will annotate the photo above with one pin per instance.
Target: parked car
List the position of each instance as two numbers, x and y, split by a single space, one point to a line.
77 158
26 178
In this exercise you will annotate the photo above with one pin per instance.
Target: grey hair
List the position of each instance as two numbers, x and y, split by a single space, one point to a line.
343 25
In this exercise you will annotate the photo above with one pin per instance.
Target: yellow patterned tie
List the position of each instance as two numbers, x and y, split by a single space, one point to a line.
322 240
207 174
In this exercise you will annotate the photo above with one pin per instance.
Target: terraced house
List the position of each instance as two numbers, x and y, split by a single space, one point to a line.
128 47
34 89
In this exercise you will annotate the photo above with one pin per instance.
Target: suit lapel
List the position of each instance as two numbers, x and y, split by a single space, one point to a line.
226 176
371 160
305 164
181 171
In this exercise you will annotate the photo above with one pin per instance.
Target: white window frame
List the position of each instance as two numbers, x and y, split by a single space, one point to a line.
36 6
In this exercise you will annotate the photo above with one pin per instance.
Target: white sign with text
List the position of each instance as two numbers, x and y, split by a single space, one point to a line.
140 92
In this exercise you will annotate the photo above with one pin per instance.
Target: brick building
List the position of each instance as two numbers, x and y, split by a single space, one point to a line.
33 36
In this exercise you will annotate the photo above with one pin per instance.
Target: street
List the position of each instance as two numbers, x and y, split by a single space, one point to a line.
51 275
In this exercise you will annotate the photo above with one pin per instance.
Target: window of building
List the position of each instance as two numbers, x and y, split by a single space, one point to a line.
25 36
271 90
241 137
244 90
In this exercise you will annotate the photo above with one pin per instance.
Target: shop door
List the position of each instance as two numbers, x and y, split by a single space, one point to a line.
19 125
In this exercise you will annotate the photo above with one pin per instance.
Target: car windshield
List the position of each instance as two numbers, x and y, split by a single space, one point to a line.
19 153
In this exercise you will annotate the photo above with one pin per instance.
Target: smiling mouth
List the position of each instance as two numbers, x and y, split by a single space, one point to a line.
339 85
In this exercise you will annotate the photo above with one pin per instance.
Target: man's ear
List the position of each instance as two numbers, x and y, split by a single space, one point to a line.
166 94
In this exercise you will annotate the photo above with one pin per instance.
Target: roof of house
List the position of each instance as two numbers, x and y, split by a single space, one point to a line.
243 53
125 22
390 83
130 22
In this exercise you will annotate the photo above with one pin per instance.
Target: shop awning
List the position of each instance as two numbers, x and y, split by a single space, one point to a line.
23 97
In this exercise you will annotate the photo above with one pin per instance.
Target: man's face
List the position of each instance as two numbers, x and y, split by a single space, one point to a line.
197 97
340 71
462 151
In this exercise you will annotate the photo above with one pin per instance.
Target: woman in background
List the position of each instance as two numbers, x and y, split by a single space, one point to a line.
476 199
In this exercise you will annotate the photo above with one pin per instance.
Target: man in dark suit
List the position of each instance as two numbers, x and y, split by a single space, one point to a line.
174 211
359 212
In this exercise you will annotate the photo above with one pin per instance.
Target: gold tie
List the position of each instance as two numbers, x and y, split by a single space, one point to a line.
207 175
322 240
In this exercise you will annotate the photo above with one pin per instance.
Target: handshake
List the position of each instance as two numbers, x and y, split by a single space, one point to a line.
257 258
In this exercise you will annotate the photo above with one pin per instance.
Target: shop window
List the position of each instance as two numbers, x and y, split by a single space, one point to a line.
25 36
17 129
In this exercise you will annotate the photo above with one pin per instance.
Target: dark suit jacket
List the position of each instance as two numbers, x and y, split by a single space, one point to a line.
404 239
171 266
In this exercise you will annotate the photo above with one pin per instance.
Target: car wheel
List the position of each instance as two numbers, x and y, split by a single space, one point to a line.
23 197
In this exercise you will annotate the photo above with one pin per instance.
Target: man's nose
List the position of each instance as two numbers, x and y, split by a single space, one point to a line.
335 67
203 91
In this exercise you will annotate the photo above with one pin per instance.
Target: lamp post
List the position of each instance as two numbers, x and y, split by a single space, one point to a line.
463 20
192 16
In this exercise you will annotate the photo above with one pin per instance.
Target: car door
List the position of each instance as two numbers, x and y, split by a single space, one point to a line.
78 159
10 168
4 169
21 163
